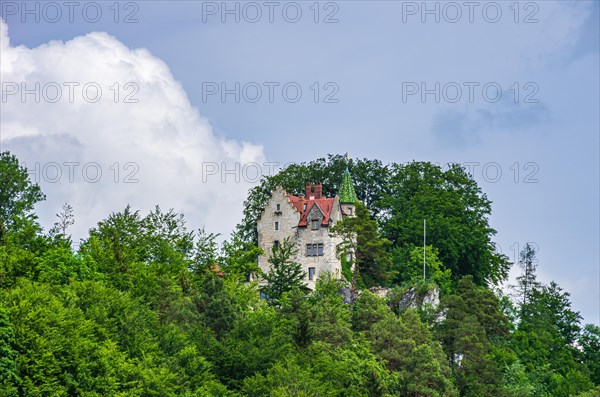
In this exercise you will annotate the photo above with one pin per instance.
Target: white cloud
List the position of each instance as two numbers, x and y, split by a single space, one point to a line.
161 138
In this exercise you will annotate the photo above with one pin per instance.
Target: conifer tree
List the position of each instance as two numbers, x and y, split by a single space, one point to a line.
527 282
285 274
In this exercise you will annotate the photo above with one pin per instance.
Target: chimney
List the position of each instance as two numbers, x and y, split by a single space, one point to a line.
318 190
308 190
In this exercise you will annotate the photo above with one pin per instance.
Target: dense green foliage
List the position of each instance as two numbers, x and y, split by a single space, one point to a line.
141 309
284 273
17 194
400 197
361 242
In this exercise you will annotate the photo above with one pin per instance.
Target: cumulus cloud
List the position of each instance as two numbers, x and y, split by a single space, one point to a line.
101 126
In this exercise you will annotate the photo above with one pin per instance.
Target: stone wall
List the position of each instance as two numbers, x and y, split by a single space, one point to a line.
288 219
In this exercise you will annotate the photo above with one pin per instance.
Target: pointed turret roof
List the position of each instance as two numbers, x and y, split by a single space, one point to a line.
347 193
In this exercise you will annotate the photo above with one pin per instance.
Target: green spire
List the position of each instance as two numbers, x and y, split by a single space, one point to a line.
347 193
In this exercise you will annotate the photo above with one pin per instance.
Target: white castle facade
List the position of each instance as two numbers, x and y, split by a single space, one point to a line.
306 220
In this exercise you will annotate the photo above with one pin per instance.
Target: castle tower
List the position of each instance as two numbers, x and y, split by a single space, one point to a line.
347 195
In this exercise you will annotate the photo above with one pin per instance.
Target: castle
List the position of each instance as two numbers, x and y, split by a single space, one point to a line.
306 220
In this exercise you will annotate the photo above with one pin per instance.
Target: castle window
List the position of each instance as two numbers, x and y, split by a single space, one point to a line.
314 249
278 207
311 273
276 244
276 225
314 224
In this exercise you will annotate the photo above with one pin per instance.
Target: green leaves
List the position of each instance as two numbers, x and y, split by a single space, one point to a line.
589 340
9 376
360 239
284 274
472 328
141 309
17 194
408 267
369 178
409 350
399 197
457 214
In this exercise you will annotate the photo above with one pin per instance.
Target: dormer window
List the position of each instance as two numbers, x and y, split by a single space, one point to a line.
314 224
304 207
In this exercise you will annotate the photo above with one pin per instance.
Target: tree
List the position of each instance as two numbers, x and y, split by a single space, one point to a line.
257 341
527 282
17 194
239 257
590 393
370 179
409 351
20 251
131 250
140 311
549 310
284 273
360 238
408 267
330 318
66 218
546 336
473 324
206 251
324 372
400 196
457 214
368 310
589 340
516 381
9 377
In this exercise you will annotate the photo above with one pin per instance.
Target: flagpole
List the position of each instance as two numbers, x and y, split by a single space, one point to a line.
424 250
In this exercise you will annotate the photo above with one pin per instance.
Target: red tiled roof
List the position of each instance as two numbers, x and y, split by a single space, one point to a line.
324 204
217 270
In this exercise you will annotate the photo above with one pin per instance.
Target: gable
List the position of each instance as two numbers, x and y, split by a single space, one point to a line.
278 196
315 213
321 208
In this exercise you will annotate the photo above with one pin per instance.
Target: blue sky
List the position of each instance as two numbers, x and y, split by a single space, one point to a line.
529 128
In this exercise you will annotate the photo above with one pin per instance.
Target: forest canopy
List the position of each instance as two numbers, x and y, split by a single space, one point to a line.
146 307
